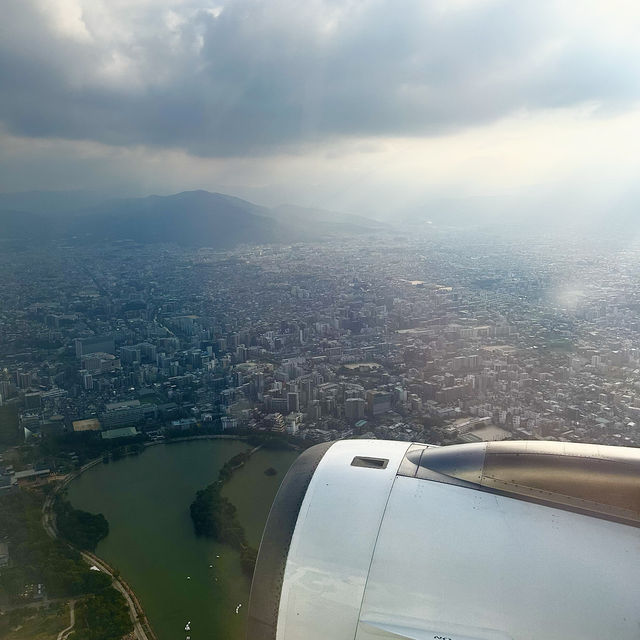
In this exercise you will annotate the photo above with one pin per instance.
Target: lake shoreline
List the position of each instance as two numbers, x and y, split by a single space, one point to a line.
142 626
178 576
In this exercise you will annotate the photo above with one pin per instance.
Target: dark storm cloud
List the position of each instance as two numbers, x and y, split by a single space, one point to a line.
266 76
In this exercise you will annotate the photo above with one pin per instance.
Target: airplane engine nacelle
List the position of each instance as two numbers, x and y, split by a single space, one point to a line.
370 539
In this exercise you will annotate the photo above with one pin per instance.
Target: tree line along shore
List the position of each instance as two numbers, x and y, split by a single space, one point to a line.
56 566
43 565
216 517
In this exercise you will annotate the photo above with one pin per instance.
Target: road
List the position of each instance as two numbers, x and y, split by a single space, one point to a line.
124 590
135 610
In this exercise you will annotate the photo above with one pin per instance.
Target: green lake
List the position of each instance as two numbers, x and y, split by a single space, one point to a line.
177 576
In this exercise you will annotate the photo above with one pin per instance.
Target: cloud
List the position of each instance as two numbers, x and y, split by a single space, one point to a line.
560 160
255 78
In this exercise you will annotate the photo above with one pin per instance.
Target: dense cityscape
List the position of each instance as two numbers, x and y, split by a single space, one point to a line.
445 338
440 336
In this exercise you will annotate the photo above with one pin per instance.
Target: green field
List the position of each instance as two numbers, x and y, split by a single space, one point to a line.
35 624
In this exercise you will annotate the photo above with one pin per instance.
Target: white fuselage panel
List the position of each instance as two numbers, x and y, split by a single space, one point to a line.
376 555
453 562
334 540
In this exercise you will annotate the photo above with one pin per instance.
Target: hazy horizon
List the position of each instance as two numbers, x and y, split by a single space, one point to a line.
503 109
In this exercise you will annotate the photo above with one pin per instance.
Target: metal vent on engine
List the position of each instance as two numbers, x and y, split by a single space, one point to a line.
370 463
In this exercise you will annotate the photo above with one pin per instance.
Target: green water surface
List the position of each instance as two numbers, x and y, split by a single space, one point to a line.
177 576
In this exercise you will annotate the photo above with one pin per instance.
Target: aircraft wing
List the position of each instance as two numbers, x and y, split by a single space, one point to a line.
370 539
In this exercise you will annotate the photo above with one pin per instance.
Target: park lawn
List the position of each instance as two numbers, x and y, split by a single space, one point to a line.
40 624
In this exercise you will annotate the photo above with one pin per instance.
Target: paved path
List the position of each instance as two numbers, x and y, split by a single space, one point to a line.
124 590
135 610
72 621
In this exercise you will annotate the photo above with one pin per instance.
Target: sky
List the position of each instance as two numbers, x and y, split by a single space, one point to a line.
382 108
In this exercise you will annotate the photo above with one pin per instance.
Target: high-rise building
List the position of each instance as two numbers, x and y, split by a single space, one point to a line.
23 379
378 402
32 400
228 423
148 351
280 405
451 394
293 400
354 409
5 388
474 361
459 363
315 410
306 392
103 344
118 414
129 355
278 423
87 380
97 363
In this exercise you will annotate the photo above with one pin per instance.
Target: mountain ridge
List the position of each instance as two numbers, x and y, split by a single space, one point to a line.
190 218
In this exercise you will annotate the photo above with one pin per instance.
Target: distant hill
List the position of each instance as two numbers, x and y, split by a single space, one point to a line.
190 218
